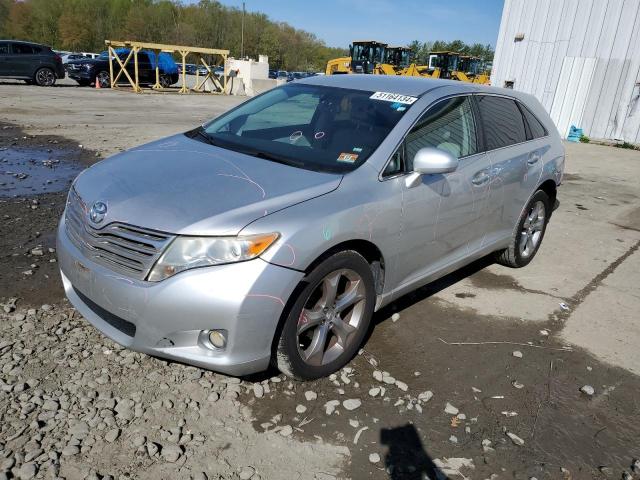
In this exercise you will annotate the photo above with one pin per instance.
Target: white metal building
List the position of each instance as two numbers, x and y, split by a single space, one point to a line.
580 58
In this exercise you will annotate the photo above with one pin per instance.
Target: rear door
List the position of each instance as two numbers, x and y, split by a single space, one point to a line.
516 165
5 59
23 59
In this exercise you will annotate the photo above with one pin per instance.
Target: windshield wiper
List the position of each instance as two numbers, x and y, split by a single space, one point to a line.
203 135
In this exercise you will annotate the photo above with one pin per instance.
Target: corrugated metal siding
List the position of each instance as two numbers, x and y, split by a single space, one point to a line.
580 58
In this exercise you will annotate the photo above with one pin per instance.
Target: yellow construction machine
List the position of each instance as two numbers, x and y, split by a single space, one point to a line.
363 58
474 68
453 66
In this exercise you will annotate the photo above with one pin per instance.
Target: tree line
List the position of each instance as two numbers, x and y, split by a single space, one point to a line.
83 25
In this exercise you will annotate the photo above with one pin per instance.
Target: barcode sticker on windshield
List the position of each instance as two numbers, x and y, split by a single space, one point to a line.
393 97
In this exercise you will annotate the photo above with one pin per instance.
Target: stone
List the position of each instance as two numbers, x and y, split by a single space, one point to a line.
517 384
171 453
70 450
310 395
351 404
152 449
395 317
388 379
50 405
402 386
27 471
453 439
138 440
450 409
588 390
112 435
286 430
425 396
377 374
374 458
515 439
517 354
301 409
246 473
374 392
258 390
330 406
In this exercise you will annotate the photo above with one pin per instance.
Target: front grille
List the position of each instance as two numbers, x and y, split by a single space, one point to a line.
121 324
123 248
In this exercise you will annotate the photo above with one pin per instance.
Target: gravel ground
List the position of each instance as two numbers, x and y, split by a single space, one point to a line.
474 376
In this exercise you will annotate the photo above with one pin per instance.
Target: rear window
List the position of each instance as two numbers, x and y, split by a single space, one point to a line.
22 49
536 129
502 120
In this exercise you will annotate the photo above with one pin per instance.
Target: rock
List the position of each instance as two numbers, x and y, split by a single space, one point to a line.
588 390
606 471
50 405
138 440
515 439
450 409
310 395
486 445
453 439
351 404
395 317
112 435
517 354
46 307
213 397
402 386
374 458
635 467
171 453
301 409
70 450
544 332
286 430
388 379
517 384
462 416
152 449
377 374
27 471
258 390
330 406
425 396
246 473
374 391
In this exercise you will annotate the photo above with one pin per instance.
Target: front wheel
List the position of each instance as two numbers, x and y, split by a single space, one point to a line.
529 232
45 77
330 318
104 79
165 81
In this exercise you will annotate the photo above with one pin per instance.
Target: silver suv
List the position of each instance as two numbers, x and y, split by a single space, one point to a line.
271 234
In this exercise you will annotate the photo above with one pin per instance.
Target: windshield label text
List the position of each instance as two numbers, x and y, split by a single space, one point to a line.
393 97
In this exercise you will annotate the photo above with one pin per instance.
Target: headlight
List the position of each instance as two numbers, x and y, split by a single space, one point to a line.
185 253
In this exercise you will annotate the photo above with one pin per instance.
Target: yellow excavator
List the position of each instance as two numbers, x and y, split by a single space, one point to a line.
453 66
475 69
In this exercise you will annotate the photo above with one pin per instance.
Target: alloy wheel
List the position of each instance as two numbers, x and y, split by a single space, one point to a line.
532 228
104 79
45 77
331 317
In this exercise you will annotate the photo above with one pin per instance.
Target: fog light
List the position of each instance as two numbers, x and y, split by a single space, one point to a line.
217 338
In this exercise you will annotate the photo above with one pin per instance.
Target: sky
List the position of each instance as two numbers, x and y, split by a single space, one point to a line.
339 22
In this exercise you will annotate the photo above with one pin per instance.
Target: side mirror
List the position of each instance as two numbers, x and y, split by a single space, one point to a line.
433 160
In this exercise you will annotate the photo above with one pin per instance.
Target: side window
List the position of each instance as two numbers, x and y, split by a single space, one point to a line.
502 120
4 48
396 164
22 49
449 125
536 129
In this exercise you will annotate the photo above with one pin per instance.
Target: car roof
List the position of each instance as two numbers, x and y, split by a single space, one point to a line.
24 42
411 86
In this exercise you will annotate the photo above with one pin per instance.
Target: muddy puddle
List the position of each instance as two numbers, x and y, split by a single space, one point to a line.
36 169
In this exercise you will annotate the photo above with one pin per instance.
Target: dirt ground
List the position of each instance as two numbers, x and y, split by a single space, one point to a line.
504 352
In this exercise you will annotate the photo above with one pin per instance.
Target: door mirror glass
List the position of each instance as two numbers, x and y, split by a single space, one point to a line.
433 160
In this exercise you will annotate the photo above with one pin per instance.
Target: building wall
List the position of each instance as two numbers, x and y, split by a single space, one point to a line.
580 58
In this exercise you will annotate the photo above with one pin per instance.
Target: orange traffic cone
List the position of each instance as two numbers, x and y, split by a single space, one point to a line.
98 87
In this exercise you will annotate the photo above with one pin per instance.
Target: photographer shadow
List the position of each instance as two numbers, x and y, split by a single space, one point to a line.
406 458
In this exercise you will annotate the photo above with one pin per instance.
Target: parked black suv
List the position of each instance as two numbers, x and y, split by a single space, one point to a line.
31 62
87 70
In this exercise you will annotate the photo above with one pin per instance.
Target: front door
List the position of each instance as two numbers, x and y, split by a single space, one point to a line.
444 214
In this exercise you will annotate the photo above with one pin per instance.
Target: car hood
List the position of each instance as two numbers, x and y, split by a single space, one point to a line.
183 186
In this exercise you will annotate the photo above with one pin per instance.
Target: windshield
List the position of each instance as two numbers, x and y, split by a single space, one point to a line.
318 128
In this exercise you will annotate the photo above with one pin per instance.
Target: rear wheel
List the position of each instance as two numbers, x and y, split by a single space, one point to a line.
330 318
529 232
165 81
45 77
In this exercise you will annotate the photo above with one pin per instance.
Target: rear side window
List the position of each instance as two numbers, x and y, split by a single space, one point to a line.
502 120
449 125
536 129
4 48
22 49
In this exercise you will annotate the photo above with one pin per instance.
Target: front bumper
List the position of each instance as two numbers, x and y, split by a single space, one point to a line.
166 318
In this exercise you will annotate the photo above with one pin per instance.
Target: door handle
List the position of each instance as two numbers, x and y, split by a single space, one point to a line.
480 178
533 159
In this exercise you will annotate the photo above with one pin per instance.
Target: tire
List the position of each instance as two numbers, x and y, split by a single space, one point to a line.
44 77
104 78
325 327
529 232
165 81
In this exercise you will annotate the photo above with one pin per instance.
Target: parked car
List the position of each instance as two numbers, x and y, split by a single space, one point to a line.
281 75
87 70
273 74
271 234
31 62
67 57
